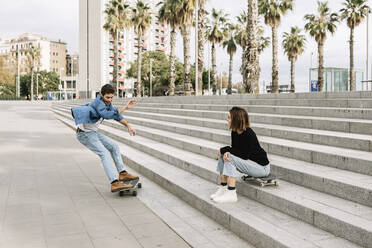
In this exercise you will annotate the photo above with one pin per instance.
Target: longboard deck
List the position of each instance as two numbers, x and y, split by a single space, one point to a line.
271 179
133 191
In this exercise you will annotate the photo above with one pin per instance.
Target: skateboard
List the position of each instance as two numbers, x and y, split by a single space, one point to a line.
271 179
133 191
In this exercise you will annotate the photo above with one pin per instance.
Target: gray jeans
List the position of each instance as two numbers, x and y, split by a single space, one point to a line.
236 164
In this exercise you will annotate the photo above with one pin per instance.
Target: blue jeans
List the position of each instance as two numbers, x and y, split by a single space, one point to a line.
236 164
106 149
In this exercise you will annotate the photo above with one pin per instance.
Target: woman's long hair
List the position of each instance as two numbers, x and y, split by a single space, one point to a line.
239 119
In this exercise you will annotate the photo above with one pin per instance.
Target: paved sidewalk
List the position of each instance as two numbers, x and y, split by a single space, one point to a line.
54 193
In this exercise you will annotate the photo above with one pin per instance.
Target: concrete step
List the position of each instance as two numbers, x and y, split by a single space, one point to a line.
299 206
260 225
360 142
358 126
349 113
193 226
302 95
353 186
323 123
241 100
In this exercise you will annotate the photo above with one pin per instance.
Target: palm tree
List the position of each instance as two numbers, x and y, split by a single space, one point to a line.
116 20
241 39
166 13
215 34
294 45
202 13
318 26
263 41
230 45
33 60
272 10
251 69
185 15
354 12
141 20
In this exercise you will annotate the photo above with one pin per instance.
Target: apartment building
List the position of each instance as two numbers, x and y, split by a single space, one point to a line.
96 47
52 53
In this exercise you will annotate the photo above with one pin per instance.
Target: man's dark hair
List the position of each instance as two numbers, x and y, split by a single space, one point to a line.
107 89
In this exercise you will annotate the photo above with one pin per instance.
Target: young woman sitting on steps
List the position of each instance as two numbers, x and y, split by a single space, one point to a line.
245 155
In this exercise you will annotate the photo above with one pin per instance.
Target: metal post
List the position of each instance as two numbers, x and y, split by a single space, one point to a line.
209 70
221 81
60 85
221 84
311 65
196 48
64 84
18 78
117 64
367 52
151 77
87 95
37 86
72 77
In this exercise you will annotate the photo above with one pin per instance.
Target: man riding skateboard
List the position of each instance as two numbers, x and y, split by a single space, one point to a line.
88 117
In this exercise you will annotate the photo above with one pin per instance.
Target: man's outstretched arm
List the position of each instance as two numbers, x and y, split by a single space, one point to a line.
131 130
127 106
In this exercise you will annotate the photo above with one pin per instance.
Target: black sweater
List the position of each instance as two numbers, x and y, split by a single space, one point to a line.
246 146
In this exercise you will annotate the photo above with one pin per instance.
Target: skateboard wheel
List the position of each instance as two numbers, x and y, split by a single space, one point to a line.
139 185
121 193
134 193
276 183
262 184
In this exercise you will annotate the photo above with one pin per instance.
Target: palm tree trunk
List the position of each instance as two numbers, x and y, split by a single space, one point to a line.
201 41
320 66
244 75
351 72
173 37
229 86
252 69
274 72
139 64
214 69
186 59
292 75
32 85
115 70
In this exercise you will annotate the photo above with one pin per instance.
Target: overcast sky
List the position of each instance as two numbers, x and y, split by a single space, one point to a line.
60 20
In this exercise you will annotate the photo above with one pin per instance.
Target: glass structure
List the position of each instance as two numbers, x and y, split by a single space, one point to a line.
335 79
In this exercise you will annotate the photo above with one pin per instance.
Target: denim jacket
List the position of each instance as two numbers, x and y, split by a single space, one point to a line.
90 113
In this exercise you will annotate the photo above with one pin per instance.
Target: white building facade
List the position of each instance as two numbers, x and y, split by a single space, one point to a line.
48 61
96 47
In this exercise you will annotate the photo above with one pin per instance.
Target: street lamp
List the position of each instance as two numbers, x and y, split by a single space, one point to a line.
151 77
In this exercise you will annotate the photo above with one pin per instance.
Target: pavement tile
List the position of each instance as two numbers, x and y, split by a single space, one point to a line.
66 201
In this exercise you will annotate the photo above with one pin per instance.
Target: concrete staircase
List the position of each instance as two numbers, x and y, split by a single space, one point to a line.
320 144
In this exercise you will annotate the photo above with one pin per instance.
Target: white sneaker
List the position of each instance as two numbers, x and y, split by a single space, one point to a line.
228 196
220 191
